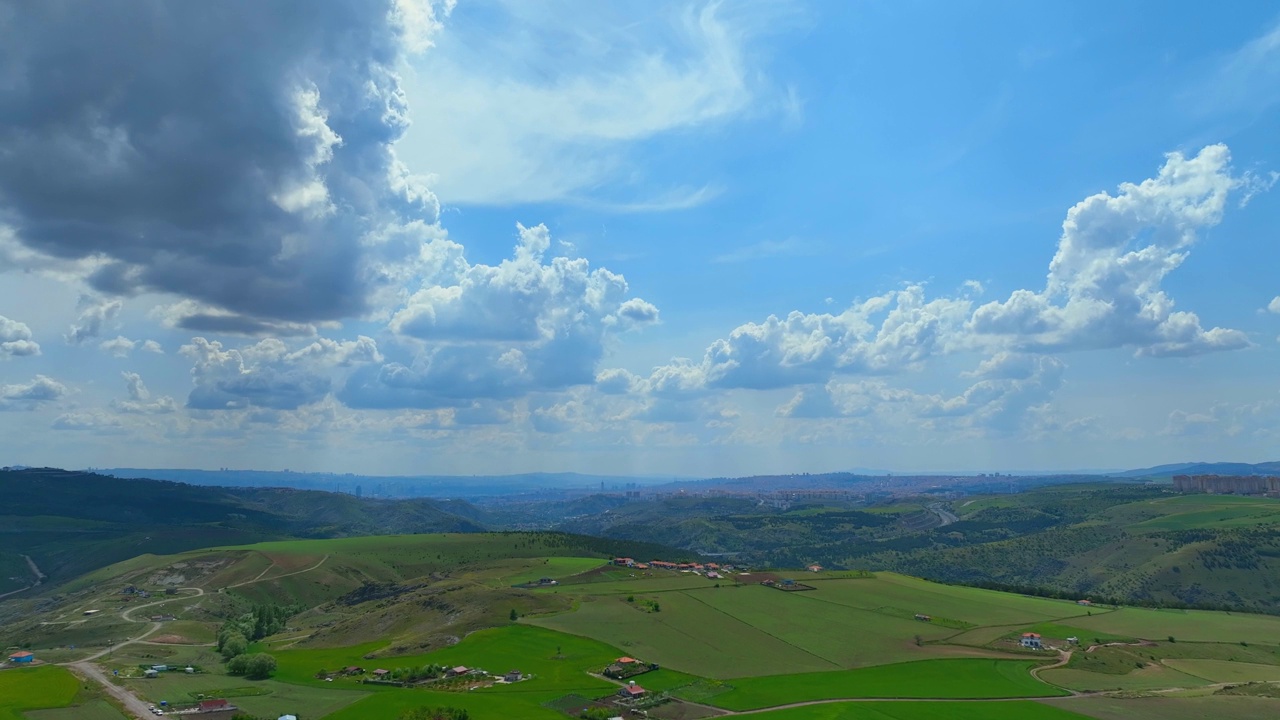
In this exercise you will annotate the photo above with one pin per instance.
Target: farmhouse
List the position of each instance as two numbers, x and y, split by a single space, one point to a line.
22 657
923 618
1031 640
460 670
219 705
631 691
353 670
513 676
380 673
815 568
1084 602
162 618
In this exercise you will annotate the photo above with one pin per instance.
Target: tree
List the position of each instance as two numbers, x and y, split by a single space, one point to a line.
257 666
514 615
232 645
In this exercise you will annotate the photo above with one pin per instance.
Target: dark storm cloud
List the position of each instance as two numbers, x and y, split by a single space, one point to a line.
230 152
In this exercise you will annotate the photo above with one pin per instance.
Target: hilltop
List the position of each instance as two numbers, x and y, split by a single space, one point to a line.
70 522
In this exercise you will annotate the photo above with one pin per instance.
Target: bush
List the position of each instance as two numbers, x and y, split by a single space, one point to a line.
257 666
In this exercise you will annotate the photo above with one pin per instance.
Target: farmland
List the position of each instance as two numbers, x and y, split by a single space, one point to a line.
33 688
962 678
849 644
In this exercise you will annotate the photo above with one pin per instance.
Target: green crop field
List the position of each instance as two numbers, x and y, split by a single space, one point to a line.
95 710
34 688
687 635
1150 677
1017 710
1172 708
970 605
737 631
1225 670
951 679
1185 625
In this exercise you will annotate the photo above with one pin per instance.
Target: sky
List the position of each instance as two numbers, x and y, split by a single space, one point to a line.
685 238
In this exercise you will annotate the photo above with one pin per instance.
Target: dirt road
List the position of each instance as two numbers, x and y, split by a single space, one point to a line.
260 577
87 670
35 571
134 706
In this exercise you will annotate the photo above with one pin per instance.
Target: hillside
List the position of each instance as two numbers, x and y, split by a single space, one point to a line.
371 618
72 522
1130 543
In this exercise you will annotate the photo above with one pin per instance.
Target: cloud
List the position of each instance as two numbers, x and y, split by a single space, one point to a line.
94 421
140 402
1103 289
888 333
40 390
15 340
1274 305
498 331
537 109
94 314
618 382
152 346
243 184
120 347
268 374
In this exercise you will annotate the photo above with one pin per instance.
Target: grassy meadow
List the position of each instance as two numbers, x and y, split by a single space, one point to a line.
34 688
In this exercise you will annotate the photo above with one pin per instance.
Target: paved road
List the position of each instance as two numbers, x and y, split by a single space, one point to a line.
946 516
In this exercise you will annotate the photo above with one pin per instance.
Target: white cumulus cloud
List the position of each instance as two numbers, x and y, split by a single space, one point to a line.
16 339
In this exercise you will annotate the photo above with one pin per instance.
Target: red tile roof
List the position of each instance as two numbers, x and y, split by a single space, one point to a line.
20 654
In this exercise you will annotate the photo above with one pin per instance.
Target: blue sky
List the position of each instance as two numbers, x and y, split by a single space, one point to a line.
687 238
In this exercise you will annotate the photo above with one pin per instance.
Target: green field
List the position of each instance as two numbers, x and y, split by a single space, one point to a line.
1208 511
1017 710
1172 708
35 688
687 635
951 679
1224 670
1151 677
95 710
1184 625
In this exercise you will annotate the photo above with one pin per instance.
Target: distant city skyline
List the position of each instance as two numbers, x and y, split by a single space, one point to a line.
675 238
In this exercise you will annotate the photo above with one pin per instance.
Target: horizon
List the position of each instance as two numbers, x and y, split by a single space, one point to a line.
685 238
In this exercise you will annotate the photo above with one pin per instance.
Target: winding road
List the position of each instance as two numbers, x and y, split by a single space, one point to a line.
87 670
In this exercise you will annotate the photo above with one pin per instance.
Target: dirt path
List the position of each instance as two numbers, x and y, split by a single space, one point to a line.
1064 657
39 576
135 706
276 577
87 670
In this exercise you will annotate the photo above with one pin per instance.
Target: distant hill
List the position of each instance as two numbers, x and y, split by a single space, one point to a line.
71 522
389 486
1203 468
